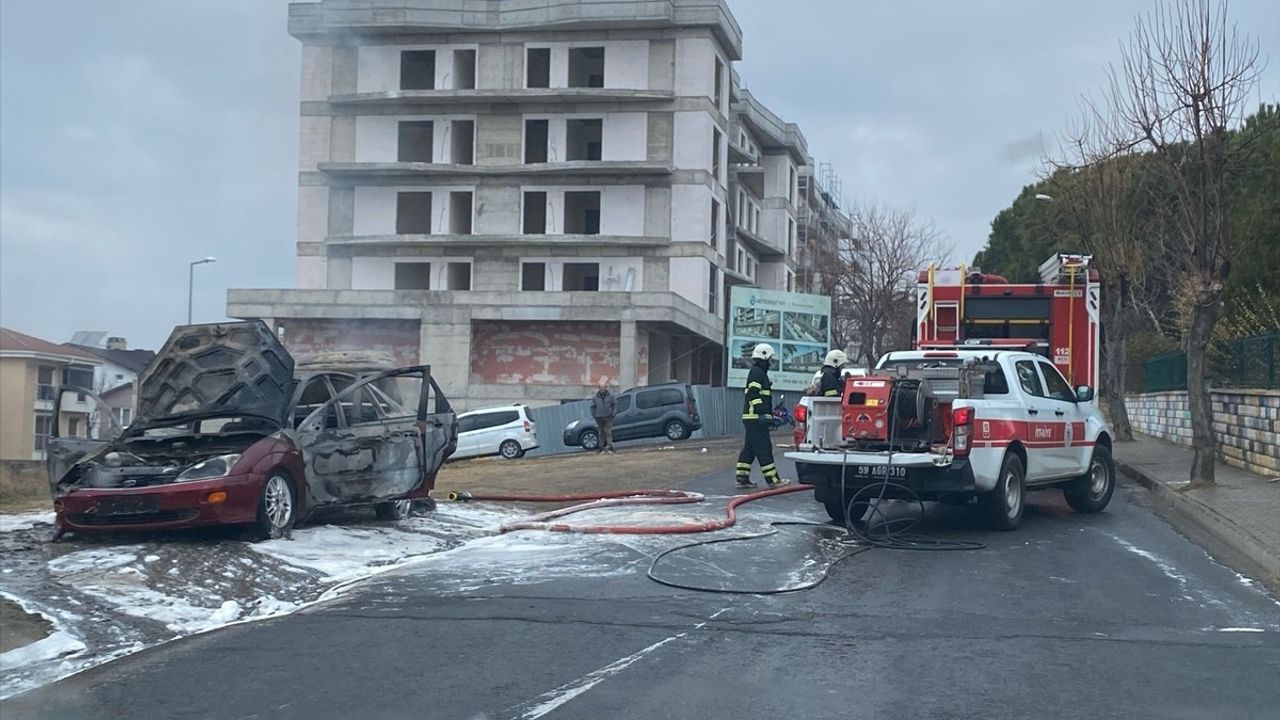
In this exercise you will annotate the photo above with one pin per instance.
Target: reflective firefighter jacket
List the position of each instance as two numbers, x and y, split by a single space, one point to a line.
829 385
757 401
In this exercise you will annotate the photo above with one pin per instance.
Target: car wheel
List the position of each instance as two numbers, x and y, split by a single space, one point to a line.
277 508
1092 491
676 430
590 439
394 510
835 510
1004 504
510 449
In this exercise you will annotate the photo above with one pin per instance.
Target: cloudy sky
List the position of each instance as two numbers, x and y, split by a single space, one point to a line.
138 135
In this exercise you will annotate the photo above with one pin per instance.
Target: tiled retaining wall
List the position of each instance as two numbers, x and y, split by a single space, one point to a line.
1247 423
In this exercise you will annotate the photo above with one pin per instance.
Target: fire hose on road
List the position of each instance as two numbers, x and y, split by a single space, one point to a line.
879 531
593 501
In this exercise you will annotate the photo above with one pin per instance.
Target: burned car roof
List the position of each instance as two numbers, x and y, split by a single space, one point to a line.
217 369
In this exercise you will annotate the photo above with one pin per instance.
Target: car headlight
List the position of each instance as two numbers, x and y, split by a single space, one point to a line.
572 425
214 467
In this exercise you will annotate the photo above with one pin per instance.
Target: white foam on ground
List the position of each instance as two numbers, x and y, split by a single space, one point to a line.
25 521
58 644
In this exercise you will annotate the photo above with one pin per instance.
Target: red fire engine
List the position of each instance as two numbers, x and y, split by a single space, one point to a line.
1057 317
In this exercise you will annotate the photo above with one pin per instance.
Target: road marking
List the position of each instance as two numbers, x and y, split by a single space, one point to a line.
570 690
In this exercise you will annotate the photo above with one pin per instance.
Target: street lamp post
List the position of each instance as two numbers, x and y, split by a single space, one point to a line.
191 279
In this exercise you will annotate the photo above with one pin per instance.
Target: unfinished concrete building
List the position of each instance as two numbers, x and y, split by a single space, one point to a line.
532 196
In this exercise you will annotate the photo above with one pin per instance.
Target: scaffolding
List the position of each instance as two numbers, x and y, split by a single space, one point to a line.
822 225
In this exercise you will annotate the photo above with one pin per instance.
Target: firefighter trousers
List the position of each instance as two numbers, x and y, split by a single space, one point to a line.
757 446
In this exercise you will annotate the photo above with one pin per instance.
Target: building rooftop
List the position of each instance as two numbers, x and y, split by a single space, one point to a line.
133 360
341 17
16 344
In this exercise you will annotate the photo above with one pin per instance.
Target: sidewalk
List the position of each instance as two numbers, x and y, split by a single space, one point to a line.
1243 510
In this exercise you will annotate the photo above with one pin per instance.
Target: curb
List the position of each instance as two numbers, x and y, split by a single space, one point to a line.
1208 519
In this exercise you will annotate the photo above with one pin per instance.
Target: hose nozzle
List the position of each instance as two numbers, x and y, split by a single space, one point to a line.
459 496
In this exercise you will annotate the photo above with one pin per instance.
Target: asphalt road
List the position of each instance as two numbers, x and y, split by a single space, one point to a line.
1113 615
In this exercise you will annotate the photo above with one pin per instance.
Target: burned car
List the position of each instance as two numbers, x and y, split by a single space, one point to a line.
227 433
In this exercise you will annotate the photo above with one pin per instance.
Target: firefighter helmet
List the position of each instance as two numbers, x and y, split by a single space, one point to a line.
836 358
763 351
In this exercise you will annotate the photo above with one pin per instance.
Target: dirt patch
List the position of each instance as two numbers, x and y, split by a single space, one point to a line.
23 486
20 627
659 466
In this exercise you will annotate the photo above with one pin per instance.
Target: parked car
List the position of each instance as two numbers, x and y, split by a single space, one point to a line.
226 433
506 430
653 411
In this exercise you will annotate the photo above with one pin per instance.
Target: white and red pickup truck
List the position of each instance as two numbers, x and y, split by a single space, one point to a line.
949 425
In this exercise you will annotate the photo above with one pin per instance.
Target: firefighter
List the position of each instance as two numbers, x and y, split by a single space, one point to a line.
757 418
830 384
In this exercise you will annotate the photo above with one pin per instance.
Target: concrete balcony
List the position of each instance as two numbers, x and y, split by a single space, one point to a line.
453 306
520 241
762 247
740 155
468 174
516 96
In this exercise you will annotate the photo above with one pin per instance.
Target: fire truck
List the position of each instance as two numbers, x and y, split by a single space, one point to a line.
997 398
1057 317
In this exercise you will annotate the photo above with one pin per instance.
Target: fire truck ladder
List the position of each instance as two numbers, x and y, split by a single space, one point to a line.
954 322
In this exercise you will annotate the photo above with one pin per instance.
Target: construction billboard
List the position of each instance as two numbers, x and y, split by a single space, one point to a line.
798 326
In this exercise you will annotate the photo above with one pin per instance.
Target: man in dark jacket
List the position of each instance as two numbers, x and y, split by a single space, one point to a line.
603 408
757 414
831 383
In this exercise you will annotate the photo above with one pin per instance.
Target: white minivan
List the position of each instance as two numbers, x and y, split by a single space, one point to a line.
506 430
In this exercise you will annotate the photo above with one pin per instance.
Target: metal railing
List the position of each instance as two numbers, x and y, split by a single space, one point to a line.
1249 362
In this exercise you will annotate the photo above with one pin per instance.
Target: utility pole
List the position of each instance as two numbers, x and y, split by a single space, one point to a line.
191 280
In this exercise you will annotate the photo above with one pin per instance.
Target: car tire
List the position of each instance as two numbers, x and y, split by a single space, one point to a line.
394 510
510 450
277 508
676 430
1004 505
835 510
1091 492
590 439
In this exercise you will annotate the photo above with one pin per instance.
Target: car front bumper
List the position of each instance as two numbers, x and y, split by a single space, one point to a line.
178 505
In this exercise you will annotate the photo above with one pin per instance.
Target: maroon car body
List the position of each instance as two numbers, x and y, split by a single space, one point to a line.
226 434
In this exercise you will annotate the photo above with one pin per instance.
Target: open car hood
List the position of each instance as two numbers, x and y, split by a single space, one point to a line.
217 369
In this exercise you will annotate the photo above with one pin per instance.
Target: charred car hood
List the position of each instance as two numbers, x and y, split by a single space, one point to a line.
217 369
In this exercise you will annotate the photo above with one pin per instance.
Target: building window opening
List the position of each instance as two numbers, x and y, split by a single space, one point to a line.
713 295
715 153
463 141
460 213
413 276
416 141
413 213
581 277
464 69
584 139
535 141
535 213
418 70
533 276
582 212
714 240
719 99
538 68
458 275
586 67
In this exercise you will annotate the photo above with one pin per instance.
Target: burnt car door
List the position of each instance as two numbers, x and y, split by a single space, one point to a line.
393 430
64 451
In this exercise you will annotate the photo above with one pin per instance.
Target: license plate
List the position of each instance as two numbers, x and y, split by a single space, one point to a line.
129 505
884 471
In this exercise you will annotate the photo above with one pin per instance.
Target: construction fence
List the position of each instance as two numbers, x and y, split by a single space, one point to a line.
1250 362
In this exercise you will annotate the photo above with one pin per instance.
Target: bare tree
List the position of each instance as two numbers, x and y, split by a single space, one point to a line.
1185 80
1098 181
874 294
